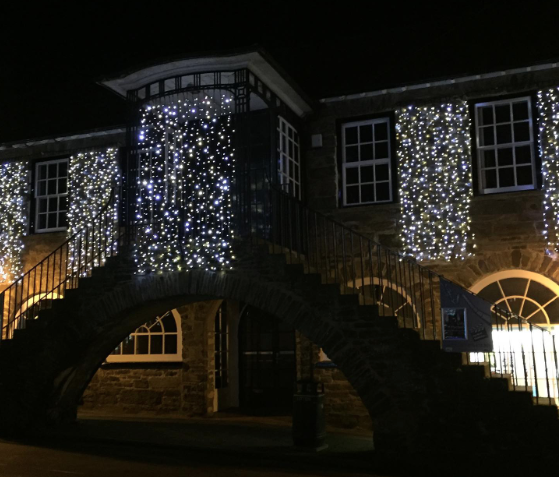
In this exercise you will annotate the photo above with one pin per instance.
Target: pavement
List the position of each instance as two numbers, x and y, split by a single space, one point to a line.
227 434
227 444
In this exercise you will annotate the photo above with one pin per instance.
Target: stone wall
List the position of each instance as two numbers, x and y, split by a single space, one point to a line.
343 408
163 388
135 389
507 228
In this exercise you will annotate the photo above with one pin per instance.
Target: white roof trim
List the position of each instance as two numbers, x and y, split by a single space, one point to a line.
253 61
463 79
39 142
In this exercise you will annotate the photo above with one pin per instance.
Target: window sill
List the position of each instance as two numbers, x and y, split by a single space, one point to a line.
506 194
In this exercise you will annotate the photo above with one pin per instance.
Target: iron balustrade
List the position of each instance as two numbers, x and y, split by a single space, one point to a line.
60 271
389 282
396 284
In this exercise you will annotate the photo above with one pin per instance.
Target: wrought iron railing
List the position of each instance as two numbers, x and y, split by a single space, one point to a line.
60 271
394 284
523 352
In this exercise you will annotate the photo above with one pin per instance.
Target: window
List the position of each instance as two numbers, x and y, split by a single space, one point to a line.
505 145
156 341
221 348
366 168
289 167
51 193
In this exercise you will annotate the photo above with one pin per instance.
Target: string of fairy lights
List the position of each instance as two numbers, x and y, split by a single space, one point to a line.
548 109
434 163
14 188
93 176
184 204
184 207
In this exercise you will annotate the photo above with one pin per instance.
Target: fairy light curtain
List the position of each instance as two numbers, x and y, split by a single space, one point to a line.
434 163
183 208
548 116
93 177
14 188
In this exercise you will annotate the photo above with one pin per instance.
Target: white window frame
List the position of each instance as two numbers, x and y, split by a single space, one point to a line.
512 145
48 196
371 162
288 182
152 358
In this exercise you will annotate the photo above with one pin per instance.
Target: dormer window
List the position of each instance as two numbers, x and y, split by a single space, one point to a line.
51 194
505 145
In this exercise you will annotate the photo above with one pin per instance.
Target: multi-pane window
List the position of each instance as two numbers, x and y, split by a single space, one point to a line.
505 145
221 349
366 168
51 193
157 340
289 167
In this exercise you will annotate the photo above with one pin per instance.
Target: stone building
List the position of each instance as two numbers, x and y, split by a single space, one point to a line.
377 194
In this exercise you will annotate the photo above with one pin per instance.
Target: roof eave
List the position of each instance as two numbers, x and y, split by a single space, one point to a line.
253 60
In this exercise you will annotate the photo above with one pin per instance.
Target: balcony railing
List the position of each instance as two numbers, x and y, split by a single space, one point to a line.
384 279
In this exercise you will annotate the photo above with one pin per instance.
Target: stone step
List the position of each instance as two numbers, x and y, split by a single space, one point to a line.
35 324
479 371
377 322
546 412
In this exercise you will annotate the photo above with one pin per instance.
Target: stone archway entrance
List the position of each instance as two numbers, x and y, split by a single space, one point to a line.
267 364
45 372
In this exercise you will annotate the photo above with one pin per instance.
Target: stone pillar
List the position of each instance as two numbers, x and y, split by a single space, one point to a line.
198 357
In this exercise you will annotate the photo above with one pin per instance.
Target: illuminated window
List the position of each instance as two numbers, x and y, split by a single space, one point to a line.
289 167
526 294
525 352
505 145
366 162
159 340
51 193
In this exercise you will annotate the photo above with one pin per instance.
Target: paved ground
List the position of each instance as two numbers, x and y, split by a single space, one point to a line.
107 460
231 445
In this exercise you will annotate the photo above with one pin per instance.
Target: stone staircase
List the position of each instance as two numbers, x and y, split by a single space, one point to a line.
469 406
420 398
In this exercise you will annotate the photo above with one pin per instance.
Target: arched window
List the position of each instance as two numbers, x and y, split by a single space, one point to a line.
393 299
527 353
159 340
527 294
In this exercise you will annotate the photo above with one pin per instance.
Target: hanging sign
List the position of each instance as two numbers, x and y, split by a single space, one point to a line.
466 320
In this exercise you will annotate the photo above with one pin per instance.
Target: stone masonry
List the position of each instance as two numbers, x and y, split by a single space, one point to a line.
507 228
163 388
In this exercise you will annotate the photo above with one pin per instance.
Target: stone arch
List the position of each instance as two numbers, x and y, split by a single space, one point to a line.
478 267
405 300
78 340
530 285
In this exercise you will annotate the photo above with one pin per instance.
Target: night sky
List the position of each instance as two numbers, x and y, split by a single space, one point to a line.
51 55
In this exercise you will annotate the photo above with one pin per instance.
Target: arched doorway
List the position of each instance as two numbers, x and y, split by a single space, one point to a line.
267 362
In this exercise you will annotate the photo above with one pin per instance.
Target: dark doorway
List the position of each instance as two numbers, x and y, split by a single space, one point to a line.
267 367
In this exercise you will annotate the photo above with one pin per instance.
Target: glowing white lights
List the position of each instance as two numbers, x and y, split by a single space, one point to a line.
13 218
92 177
183 207
434 163
548 108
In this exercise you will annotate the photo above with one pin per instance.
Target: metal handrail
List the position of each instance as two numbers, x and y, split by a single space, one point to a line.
57 271
334 250
397 285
